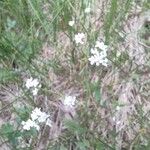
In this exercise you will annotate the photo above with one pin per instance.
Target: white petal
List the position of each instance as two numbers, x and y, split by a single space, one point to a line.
87 10
28 82
118 108
101 45
71 23
69 100
79 38
49 123
43 117
34 91
35 82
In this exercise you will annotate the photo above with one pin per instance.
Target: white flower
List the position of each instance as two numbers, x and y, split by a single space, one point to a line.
35 82
87 10
49 123
69 101
92 60
98 57
28 83
94 51
118 108
38 115
28 124
32 83
101 46
79 38
104 62
118 54
35 113
118 122
103 54
43 117
35 91
71 23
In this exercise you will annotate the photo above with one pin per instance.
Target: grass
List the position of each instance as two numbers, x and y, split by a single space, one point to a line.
112 106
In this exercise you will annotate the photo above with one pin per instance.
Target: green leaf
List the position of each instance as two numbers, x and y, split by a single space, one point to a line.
74 126
81 146
7 75
84 145
110 17
62 148
95 87
7 129
23 112
100 146
97 94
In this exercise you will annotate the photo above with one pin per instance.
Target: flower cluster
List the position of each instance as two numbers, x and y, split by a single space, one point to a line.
99 57
79 38
33 84
37 117
30 124
69 101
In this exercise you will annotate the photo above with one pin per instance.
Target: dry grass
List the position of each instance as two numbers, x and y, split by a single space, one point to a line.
118 116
